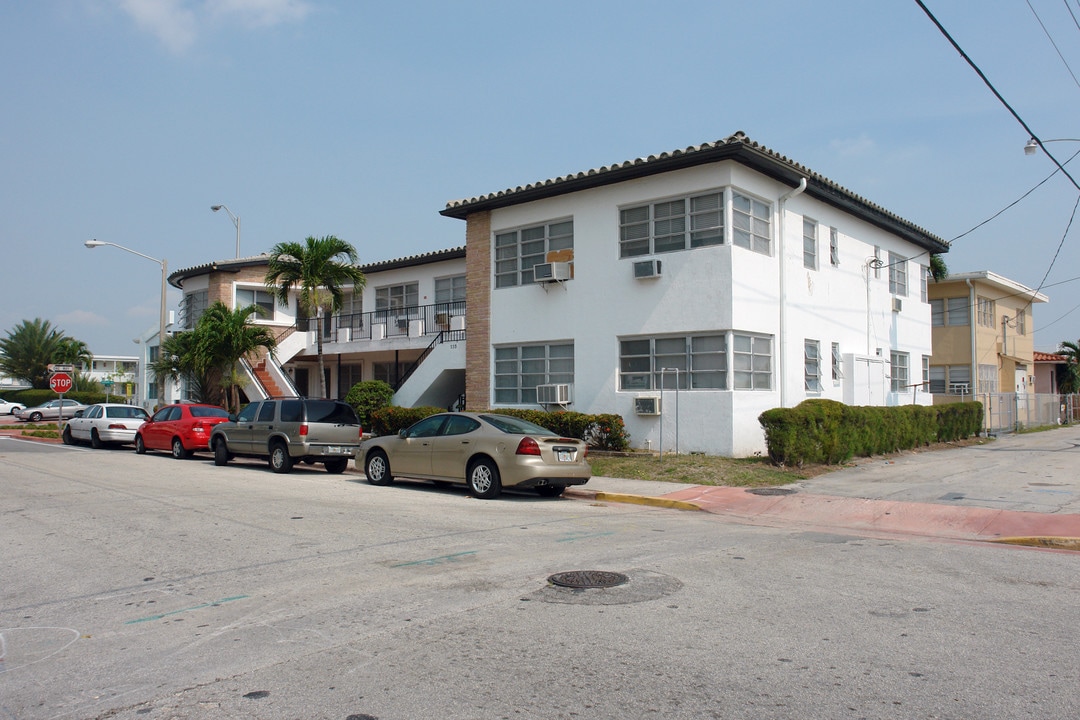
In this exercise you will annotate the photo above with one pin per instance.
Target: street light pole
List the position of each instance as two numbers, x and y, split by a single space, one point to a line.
164 285
1034 144
235 221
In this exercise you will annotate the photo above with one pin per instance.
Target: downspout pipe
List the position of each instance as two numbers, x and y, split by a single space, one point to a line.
972 326
780 251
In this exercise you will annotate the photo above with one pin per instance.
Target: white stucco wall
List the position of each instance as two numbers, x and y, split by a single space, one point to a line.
708 289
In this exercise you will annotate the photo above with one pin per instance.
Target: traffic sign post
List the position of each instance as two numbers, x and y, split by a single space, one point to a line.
60 383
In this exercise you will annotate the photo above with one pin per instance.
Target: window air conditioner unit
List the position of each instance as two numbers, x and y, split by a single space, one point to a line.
551 272
442 318
403 323
554 394
646 269
647 405
897 304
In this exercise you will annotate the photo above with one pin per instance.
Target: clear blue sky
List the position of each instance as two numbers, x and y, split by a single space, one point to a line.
125 120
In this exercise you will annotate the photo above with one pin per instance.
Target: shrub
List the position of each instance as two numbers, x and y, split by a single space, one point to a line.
392 419
368 396
829 432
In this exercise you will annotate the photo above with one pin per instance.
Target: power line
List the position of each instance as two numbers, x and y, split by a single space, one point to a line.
986 81
1051 39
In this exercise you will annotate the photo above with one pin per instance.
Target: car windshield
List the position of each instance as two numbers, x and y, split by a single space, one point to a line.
328 411
200 411
515 426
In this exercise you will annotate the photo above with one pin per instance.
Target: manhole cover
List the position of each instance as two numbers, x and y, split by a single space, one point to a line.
771 491
588 579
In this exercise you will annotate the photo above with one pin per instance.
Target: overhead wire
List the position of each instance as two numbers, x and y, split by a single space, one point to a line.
1051 39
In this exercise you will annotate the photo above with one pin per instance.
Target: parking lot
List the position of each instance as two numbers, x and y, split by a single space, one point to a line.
148 587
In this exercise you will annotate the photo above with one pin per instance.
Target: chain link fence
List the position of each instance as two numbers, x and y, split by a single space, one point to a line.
1009 412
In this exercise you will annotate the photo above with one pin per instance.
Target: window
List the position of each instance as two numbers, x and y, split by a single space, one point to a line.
925 373
837 371
924 283
388 372
752 361
752 224
517 251
957 311
809 243
834 247
959 379
450 289
650 363
520 368
937 378
195 304
937 313
672 225
897 274
1021 322
246 297
986 312
812 365
397 299
899 366
988 378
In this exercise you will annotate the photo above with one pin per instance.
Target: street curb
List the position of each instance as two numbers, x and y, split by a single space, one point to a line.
1052 542
601 495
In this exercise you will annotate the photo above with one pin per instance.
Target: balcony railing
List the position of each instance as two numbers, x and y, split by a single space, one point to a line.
396 322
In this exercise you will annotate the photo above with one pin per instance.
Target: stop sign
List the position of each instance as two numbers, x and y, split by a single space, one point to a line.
60 383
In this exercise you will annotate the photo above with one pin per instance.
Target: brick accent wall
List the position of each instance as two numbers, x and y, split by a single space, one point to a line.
478 311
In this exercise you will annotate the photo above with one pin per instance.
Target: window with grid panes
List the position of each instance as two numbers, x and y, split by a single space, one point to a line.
751 357
897 274
672 225
809 243
1021 322
900 371
957 311
751 224
688 362
986 311
246 297
518 251
812 365
837 371
450 289
834 247
924 283
520 368
397 298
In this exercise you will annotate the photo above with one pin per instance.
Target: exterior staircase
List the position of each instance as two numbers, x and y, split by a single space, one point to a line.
264 378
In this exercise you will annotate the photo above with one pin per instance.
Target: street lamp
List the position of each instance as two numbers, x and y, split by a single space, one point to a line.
235 221
1033 144
164 284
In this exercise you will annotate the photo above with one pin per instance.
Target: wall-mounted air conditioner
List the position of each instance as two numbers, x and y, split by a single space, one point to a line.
403 323
897 304
442 318
646 269
647 405
551 272
553 394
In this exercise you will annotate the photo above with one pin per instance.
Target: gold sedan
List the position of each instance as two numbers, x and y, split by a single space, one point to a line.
485 451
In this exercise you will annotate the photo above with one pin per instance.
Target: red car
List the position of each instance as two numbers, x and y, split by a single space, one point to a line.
183 429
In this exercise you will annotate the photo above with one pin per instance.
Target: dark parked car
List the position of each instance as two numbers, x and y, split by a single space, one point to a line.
289 430
182 429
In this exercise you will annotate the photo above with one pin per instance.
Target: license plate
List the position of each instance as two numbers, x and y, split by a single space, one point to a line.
565 456
333 450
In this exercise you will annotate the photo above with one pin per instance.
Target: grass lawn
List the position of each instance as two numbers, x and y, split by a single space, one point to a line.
700 470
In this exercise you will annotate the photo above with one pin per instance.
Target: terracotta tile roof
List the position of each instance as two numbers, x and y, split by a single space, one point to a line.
1048 357
737 147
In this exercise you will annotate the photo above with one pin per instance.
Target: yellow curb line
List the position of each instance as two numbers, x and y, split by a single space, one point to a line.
646 500
1057 543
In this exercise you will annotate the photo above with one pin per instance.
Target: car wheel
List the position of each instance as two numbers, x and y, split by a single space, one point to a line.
35 417
550 490
336 466
280 460
66 437
221 452
95 440
140 446
178 450
377 468
484 479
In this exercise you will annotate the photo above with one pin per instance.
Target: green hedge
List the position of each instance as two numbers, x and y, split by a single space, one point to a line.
35 397
830 432
603 432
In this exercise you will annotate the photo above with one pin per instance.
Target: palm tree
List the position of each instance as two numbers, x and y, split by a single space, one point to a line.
319 269
32 345
1070 382
206 357
227 336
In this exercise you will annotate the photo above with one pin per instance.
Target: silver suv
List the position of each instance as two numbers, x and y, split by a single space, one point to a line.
289 430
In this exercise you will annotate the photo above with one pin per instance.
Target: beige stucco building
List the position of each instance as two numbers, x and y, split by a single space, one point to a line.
982 335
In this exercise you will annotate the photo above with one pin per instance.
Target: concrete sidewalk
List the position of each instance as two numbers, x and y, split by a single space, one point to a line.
1016 488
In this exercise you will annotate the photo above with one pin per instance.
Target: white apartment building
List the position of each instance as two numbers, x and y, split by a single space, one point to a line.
690 291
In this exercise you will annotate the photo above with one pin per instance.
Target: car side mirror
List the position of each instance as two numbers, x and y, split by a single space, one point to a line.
404 433
232 417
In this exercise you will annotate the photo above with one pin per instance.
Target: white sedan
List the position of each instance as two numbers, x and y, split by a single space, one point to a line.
9 408
105 424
